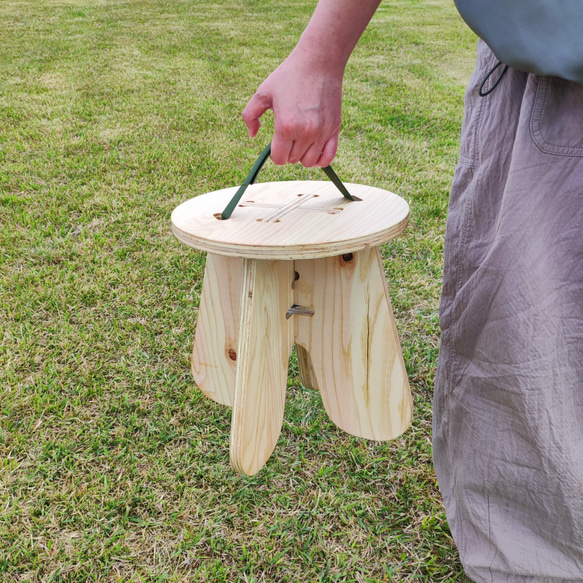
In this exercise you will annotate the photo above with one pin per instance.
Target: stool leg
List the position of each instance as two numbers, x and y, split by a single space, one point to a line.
214 356
265 342
352 344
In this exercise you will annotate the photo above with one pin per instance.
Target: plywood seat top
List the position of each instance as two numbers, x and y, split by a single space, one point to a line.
291 220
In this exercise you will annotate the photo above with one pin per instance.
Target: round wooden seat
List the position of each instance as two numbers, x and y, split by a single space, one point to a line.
291 220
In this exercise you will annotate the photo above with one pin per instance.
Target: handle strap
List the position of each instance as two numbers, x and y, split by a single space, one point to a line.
255 171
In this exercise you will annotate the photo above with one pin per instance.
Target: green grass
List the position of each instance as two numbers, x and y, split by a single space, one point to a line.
113 466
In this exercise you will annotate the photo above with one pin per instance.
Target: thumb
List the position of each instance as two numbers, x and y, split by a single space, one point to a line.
256 107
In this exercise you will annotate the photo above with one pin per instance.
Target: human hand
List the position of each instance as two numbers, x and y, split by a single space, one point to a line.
305 91
306 100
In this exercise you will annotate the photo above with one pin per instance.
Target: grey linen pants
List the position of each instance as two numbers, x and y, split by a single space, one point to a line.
508 404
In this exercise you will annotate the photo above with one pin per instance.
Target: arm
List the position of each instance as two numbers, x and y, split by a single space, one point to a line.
305 91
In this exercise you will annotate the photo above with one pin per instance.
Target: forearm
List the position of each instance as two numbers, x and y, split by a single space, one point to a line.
334 30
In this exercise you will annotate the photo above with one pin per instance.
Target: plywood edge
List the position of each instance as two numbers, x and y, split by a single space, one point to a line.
291 252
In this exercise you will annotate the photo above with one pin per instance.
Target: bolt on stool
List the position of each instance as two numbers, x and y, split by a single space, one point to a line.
298 263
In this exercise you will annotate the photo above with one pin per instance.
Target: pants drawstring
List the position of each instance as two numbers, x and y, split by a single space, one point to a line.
481 91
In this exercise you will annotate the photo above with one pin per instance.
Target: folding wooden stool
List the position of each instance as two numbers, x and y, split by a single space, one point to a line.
297 263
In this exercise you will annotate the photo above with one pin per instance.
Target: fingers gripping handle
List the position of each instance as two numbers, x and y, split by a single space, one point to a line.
255 171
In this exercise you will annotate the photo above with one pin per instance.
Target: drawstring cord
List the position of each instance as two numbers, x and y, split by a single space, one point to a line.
481 91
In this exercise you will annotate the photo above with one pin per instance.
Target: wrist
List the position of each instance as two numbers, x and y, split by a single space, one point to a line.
322 54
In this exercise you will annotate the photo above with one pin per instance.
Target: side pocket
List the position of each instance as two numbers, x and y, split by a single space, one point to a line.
474 108
556 123
473 114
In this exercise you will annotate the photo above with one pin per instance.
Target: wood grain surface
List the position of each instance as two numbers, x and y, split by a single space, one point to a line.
350 345
215 352
291 220
265 343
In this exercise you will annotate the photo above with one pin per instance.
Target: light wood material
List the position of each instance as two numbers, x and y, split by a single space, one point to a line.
350 345
273 222
297 262
265 342
349 349
214 357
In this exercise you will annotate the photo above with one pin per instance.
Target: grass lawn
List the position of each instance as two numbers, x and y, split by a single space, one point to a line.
113 466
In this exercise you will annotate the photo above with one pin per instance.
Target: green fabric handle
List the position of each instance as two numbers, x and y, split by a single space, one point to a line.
255 171
338 183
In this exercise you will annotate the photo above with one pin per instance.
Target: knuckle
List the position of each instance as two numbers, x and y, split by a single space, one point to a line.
287 128
311 126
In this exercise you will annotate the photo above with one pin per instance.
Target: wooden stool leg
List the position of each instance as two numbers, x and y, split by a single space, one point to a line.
350 344
214 357
265 342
